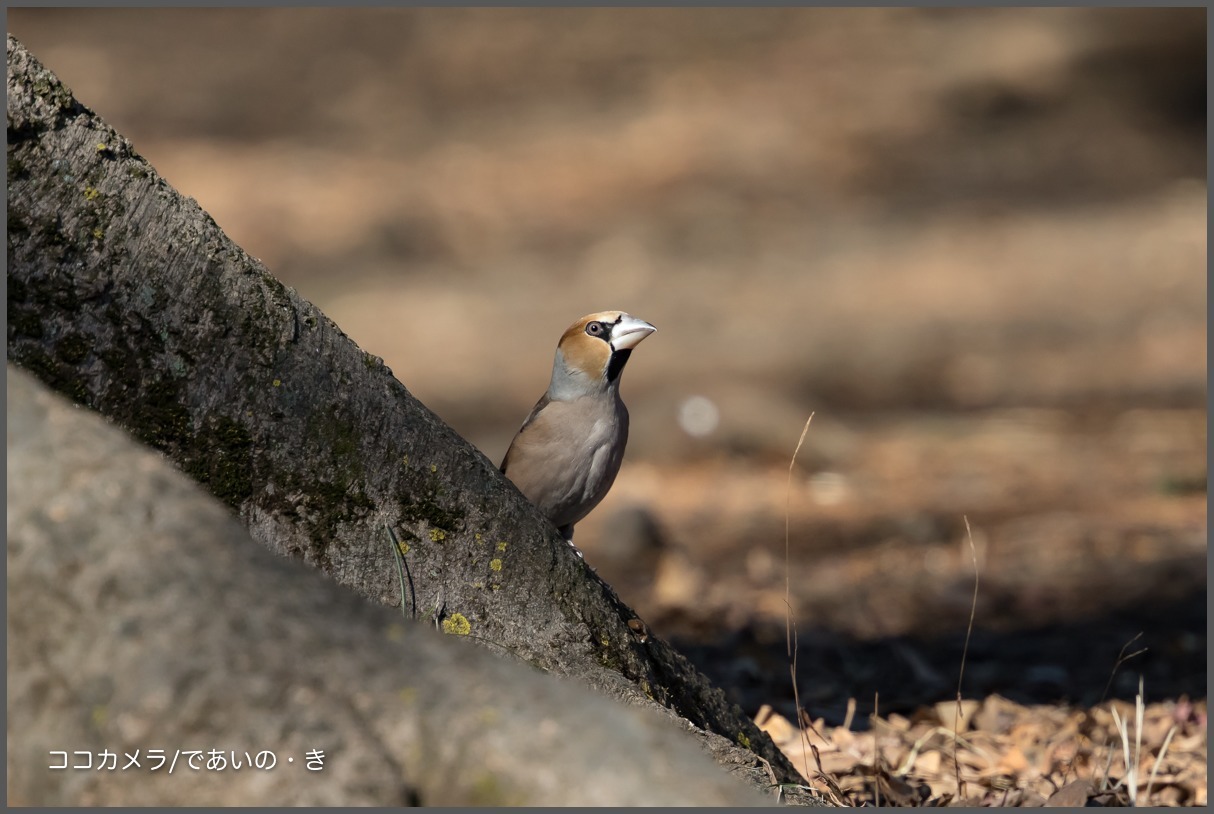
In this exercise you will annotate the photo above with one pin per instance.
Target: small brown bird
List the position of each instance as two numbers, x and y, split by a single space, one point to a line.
568 451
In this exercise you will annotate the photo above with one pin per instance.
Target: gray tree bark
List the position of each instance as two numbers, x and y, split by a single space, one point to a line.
127 298
143 619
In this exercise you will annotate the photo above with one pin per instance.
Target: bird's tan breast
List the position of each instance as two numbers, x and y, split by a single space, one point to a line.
566 458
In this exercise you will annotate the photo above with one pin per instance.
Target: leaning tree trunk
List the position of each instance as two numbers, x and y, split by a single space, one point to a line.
142 616
128 298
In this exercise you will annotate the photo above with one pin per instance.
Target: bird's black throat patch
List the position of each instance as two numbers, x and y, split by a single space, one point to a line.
616 363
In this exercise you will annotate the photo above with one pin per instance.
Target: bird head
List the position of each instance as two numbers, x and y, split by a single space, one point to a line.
592 353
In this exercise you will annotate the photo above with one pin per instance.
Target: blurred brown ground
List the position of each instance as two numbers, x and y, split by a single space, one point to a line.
972 242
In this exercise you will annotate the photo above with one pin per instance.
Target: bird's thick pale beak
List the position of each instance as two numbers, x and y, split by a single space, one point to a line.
628 332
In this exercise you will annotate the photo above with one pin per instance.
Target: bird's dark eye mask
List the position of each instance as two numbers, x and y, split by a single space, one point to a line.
602 330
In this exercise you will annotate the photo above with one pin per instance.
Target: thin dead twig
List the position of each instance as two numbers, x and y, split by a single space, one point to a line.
969 534
789 625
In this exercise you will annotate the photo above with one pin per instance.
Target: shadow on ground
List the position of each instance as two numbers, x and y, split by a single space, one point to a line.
1065 663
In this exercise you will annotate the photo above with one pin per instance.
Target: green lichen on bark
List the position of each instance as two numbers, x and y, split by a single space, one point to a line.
221 458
